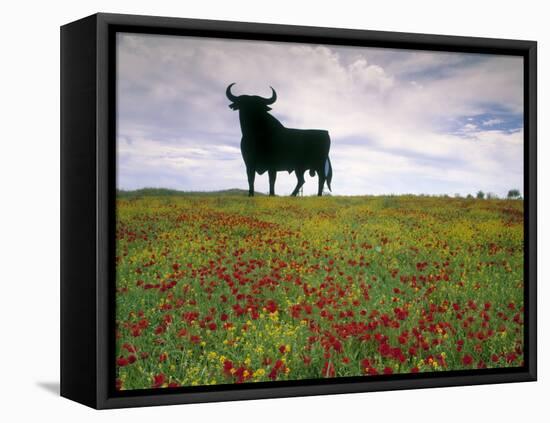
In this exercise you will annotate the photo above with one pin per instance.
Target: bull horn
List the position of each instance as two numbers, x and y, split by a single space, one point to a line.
273 97
228 93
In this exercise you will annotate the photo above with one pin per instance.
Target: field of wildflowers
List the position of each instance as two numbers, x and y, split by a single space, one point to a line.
222 290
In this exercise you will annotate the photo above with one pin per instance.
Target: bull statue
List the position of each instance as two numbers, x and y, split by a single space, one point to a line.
266 145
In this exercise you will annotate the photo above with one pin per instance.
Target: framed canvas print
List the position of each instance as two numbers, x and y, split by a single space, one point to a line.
255 211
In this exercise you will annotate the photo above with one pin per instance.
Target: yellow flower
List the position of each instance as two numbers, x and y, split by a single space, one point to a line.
259 373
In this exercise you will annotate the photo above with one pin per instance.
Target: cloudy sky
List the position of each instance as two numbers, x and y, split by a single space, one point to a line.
400 121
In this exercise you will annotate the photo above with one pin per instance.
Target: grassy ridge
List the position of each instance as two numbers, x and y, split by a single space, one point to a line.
225 289
165 192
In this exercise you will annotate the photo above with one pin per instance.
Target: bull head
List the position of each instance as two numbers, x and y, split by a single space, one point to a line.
250 101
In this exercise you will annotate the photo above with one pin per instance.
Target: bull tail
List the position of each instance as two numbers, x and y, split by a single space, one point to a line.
328 173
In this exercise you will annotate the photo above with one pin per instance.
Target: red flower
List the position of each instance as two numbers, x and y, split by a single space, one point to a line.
163 357
467 360
388 371
271 306
372 371
122 361
132 359
227 366
273 374
158 380
212 326
384 349
279 366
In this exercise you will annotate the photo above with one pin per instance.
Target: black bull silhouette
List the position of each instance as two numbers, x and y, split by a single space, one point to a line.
267 145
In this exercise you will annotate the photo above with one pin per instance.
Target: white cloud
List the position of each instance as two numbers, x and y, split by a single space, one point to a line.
492 122
369 76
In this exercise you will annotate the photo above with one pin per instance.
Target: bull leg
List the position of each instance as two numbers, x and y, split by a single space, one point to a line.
251 176
321 182
272 177
301 180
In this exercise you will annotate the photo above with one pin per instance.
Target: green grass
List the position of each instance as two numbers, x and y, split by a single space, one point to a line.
230 289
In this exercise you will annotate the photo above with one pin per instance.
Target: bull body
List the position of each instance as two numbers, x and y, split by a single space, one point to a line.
266 145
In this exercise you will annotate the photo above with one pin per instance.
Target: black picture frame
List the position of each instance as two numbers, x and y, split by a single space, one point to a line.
88 200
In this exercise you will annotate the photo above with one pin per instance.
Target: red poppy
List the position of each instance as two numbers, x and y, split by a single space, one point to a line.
467 360
158 380
122 361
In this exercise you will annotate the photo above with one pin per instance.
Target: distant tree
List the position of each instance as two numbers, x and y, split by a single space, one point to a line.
457 195
491 196
469 196
513 194
480 195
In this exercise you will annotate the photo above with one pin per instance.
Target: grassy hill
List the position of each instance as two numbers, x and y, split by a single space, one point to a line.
162 192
